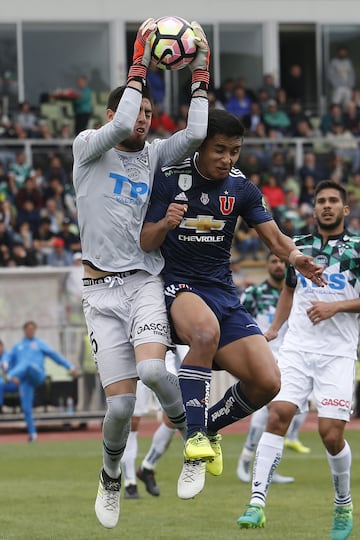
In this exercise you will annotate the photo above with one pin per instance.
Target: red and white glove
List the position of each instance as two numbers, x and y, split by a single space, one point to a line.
142 52
200 65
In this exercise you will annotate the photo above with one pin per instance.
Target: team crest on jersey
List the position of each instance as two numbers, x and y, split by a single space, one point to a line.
185 181
322 260
204 198
133 173
226 204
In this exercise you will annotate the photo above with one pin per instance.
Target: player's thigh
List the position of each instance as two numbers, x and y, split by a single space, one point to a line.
333 386
248 359
148 321
297 376
191 315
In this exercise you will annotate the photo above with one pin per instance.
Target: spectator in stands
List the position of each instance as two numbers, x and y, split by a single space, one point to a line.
22 256
354 206
277 167
6 126
56 169
29 213
307 190
252 119
27 120
263 99
24 235
29 192
296 115
310 168
19 170
5 387
351 117
294 83
56 191
226 90
341 76
354 186
269 86
82 104
55 213
214 103
273 194
282 100
338 169
239 103
276 119
43 240
246 241
71 240
27 361
334 114
8 213
5 191
344 144
6 242
59 256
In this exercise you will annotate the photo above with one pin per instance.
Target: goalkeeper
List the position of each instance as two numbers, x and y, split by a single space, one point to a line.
123 298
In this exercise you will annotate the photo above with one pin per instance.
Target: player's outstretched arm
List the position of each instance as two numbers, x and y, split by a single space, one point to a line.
286 250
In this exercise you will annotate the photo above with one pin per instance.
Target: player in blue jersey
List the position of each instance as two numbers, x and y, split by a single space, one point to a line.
192 216
123 301
318 355
5 387
26 361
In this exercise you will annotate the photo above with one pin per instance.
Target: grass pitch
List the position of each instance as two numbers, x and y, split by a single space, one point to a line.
48 491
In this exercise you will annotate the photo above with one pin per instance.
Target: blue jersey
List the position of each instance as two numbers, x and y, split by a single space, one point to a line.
198 250
33 351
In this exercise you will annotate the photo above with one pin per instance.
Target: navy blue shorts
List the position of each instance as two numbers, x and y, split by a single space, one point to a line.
235 322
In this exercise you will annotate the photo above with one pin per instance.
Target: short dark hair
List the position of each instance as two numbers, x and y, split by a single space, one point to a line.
224 123
28 323
331 184
116 94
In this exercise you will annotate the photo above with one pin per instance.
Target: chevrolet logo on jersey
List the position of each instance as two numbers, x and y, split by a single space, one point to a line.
203 224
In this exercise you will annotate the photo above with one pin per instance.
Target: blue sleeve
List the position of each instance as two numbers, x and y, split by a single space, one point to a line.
47 351
254 211
160 198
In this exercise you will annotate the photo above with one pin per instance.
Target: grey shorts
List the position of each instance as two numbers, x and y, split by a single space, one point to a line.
120 315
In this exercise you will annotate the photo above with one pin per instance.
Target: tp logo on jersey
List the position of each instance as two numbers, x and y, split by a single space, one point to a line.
126 187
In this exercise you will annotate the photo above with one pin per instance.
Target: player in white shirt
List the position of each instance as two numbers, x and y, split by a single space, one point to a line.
318 355
123 300
260 300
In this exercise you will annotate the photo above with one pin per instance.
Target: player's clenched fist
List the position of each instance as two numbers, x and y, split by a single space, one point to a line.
175 214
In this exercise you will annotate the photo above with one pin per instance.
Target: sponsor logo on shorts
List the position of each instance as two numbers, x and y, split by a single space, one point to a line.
159 329
335 402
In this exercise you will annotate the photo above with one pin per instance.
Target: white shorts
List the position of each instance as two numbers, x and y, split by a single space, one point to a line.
121 315
330 378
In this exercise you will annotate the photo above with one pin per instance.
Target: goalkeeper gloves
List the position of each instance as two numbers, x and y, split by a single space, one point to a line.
142 52
200 65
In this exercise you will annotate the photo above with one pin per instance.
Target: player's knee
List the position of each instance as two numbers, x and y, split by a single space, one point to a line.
279 418
204 338
120 408
151 372
333 440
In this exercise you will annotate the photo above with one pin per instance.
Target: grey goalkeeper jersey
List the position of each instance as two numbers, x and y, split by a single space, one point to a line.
113 187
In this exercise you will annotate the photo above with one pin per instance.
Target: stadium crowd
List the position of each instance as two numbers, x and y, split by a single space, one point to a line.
38 221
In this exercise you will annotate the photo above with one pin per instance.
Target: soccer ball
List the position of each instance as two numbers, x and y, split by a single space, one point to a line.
173 46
